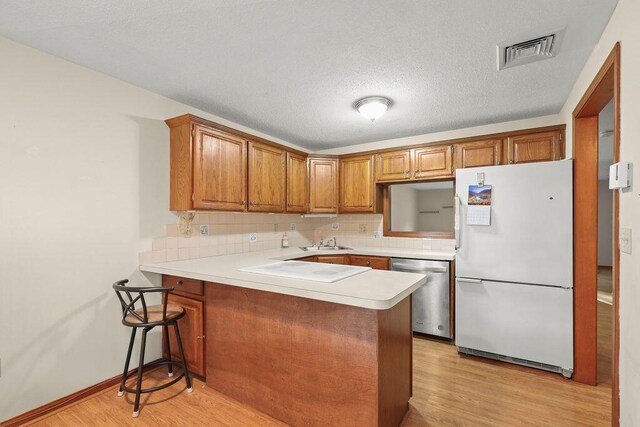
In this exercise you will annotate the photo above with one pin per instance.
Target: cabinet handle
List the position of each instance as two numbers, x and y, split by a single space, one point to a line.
407 172
200 337
415 173
368 263
244 202
179 282
251 203
510 161
370 205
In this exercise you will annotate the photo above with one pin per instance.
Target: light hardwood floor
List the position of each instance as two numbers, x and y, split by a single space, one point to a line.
449 390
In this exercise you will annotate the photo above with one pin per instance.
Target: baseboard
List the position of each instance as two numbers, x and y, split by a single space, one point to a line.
57 405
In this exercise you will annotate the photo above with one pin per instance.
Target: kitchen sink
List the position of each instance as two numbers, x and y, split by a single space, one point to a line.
324 248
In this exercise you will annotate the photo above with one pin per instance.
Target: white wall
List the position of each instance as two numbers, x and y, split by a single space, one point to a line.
84 182
623 27
436 200
404 208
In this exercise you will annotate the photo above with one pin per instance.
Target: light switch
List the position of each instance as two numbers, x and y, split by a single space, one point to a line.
335 226
625 240
204 230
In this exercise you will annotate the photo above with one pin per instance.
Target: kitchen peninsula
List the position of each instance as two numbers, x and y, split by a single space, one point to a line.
305 352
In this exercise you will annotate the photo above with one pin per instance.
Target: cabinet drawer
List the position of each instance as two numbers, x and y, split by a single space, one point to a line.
183 285
332 259
377 263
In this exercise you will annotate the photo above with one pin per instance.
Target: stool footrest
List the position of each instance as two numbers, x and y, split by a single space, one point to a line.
155 364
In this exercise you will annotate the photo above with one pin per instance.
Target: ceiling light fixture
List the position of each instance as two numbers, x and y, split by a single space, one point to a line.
372 107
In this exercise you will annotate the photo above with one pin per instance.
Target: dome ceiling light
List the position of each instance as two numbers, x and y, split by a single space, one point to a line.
372 107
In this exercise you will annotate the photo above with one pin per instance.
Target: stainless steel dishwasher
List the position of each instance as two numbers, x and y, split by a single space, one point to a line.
431 301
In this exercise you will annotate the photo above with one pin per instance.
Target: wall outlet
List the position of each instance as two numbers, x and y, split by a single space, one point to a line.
292 227
204 230
335 226
253 237
362 228
625 240
377 235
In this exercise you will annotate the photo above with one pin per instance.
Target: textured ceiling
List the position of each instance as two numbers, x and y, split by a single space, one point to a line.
293 69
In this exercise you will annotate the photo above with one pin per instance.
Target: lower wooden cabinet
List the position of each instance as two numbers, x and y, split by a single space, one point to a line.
333 259
191 333
375 262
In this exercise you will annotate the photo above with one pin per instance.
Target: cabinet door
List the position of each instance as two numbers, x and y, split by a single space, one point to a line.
433 162
297 183
393 166
377 263
332 259
191 333
479 153
219 170
267 178
323 185
357 187
536 147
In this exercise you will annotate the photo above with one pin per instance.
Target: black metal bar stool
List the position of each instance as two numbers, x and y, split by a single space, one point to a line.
147 318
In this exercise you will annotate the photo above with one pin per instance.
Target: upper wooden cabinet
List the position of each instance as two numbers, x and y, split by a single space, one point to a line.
267 178
393 165
357 186
323 185
479 153
431 162
535 147
219 173
297 183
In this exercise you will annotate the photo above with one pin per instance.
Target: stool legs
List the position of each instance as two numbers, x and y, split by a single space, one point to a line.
165 332
143 344
126 363
187 377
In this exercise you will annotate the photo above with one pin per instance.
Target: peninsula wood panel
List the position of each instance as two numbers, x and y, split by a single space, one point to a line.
537 147
306 362
433 162
219 170
297 183
393 166
191 333
357 186
267 178
323 185
377 263
479 153
333 259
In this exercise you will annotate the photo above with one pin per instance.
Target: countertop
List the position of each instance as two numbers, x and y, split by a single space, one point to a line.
374 289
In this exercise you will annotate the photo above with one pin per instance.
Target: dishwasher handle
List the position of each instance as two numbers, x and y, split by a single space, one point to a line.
408 267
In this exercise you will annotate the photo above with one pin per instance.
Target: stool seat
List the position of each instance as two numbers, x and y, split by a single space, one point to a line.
154 314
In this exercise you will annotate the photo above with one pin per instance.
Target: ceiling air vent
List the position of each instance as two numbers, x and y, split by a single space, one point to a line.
526 50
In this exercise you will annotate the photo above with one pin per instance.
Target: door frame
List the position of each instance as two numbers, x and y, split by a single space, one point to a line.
604 87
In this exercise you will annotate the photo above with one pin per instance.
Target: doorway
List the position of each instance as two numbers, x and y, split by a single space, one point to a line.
596 330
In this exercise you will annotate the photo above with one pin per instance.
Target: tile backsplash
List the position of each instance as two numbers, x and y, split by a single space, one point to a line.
230 233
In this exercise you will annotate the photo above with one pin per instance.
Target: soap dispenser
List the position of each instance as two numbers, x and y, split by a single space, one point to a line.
285 241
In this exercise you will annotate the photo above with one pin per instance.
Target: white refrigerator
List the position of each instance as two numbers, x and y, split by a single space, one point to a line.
514 276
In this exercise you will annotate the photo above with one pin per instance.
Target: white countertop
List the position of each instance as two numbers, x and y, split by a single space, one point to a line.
375 289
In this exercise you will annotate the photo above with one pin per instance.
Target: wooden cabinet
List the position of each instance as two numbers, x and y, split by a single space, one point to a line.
393 166
267 178
297 183
433 162
219 170
357 186
333 259
375 262
308 259
535 147
323 185
191 333
479 153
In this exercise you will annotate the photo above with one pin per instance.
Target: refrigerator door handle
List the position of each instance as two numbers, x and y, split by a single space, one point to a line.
456 227
464 280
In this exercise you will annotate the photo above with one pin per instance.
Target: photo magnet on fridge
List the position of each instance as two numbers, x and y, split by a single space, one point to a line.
480 195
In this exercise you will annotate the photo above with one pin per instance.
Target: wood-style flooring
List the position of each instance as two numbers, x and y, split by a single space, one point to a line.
449 390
